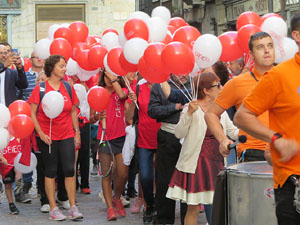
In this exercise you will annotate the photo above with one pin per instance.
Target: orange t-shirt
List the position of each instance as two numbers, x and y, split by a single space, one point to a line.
279 93
233 94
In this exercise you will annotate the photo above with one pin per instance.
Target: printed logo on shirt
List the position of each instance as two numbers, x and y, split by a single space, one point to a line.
12 149
65 99
118 106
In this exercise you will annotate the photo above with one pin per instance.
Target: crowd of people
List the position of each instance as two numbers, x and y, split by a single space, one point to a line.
182 126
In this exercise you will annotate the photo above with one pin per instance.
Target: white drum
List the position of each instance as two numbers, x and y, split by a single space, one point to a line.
248 202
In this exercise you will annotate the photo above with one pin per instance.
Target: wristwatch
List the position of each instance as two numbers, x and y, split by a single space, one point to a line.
275 137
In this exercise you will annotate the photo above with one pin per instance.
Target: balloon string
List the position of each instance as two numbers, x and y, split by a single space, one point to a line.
196 97
181 90
192 87
50 136
186 89
129 88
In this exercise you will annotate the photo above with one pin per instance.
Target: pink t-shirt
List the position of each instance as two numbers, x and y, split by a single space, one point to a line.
62 126
147 126
115 118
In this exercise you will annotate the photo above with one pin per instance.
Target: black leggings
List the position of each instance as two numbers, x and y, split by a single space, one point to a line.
61 151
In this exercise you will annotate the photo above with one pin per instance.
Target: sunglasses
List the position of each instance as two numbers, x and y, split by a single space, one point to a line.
219 85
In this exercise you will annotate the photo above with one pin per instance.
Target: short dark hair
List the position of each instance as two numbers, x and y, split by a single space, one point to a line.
295 22
257 36
221 71
102 83
206 80
51 62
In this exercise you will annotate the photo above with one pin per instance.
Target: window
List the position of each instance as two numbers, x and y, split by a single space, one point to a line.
46 15
3 29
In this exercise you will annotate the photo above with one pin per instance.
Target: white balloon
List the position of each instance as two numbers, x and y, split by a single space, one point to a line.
72 67
157 29
42 48
80 92
85 75
4 138
195 71
122 38
162 12
85 109
110 40
275 26
22 168
285 49
4 116
53 104
134 49
64 25
140 15
107 67
207 50
52 30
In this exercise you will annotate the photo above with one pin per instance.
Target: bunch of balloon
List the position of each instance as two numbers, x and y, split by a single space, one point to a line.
4 120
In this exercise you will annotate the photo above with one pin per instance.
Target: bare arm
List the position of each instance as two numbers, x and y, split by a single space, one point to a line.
248 121
129 113
116 85
76 127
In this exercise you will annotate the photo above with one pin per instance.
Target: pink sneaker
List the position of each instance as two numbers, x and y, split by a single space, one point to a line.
56 215
119 207
137 205
75 214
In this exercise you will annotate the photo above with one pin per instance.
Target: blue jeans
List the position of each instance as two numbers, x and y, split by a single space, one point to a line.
27 177
146 173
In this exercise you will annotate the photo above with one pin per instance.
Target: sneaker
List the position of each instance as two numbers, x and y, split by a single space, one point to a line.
56 215
22 198
94 171
101 197
125 202
13 209
26 187
111 214
119 207
86 191
45 208
19 187
148 214
75 214
137 205
64 204
131 192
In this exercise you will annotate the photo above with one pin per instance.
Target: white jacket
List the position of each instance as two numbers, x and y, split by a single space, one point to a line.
193 129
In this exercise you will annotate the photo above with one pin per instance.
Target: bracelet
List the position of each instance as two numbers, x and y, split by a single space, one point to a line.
77 130
114 81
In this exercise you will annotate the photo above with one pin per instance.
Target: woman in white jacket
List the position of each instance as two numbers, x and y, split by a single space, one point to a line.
199 160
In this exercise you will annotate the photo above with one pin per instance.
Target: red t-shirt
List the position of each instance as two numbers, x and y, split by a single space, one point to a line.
62 126
10 153
115 118
147 126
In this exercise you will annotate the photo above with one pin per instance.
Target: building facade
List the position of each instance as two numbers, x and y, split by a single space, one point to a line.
23 22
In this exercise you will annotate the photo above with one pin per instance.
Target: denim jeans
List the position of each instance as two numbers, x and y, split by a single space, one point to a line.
146 173
27 177
285 210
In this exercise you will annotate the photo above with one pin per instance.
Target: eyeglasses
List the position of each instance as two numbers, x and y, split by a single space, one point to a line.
219 85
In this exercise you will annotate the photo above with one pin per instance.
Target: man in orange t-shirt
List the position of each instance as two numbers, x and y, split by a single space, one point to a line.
233 94
279 93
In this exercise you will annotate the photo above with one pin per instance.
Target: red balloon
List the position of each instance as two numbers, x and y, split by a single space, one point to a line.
178 58
167 39
96 56
152 56
151 74
27 64
113 61
110 30
60 46
93 81
187 35
248 18
136 28
19 107
244 34
127 66
80 32
83 61
172 29
64 32
177 22
21 126
230 49
77 48
90 40
98 98
268 15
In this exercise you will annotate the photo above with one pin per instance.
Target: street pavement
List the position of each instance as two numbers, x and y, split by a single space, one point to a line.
93 209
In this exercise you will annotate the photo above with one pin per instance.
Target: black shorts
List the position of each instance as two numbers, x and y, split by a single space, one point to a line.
115 144
10 177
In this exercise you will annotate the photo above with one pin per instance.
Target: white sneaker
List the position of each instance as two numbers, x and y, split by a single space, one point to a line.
124 201
64 204
45 208
101 197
